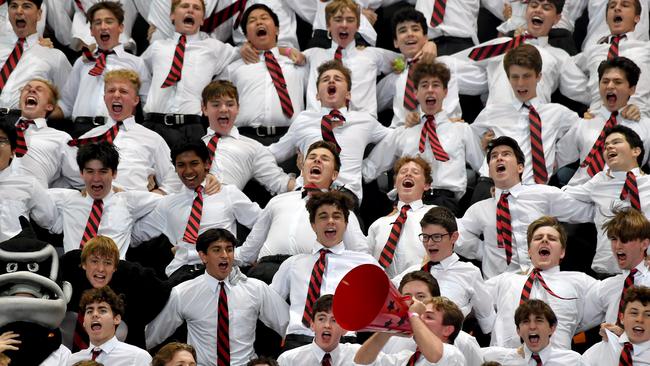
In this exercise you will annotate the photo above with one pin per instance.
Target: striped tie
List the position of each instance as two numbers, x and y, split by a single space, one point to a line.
528 286
176 70
631 190
414 358
629 282
219 17
338 54
388 253
626 355
11 63
100 62
594 160
429 133
79 337
194 220
223 338
504 228
280 84
212 147
327 360
428 265
108 136
81 7
438 14
313 289
410 101
483 52
538 360
21 143
96 352
92 226
326 127
537 146
613 46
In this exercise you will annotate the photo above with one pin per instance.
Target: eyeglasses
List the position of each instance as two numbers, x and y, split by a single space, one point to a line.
4 141
436 238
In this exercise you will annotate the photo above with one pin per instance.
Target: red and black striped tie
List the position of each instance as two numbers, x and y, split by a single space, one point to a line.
338 54
326 128
594 160
537 145
21 143
219 17
212 147
94 218
429 133
388 253
108 136
483 52
414 357
504 226
631 190
629 282
626 355
194 220
80 6
95 353
438 14
280 84
176 70
327 360
410 100
613 46
79 337
428 265
537 275
100 62
11 63
223 338
313 289
538 360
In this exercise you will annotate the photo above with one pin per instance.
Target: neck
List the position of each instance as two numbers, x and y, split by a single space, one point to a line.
101 341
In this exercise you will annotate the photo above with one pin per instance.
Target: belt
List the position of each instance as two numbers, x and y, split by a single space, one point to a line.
442 192
171 119
9 111
95 121
452 38
277 258
262 131
308 339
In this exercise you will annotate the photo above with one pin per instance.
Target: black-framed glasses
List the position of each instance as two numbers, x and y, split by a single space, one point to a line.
436 238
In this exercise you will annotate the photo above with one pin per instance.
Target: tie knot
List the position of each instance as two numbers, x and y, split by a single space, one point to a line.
335 113
199 189
633 271
617 37
529 106
182 39
222 284
535 271
324 252
98 202
24 124
406 208
614 114
536 357
504 195
430 119
327 356
21 41
630 175
629 346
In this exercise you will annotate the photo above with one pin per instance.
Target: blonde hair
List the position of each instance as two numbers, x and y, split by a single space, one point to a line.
125 75
340 5
101 246
175 4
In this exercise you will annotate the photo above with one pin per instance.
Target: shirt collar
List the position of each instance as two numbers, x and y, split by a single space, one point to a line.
440 117
4 174
554 269
638 347
326 110
213 283
31 40
234 132
415 205
514 191
539 41
535 102
274 50
38 122
191 192
337 249
605 113
118 49
319 353
107 347
128 123
447 262
351 46
544 354
188 37
641 268
623 174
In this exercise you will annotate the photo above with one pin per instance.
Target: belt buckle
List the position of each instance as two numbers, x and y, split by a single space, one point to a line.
166 119
5 110
258 129
97 121
270 131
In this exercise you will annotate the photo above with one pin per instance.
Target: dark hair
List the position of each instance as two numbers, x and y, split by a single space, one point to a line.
426 167
112 6
262 360
334 198
423 276
212 235
534 307
558 4
38 3
103 151
637 8
631 137
335 65
166 353
627 225
637 293
546 221
247 13
323 304
408 14
506 141
10 130
102 294
219 88
526 56
322 144
451 315
196 146
431 69
442 216
629 68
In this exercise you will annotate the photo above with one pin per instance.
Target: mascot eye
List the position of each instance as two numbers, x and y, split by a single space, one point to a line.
32 267
12 267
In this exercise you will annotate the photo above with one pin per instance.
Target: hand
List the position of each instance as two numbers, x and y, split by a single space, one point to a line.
456 119
519 31
588 115
612 328
412 119
417 307
370 15
212 184
291 185
45 42
428 53
295 55
8 341
631 112
117 189
486 138
507 11
152 28
151 183
249 54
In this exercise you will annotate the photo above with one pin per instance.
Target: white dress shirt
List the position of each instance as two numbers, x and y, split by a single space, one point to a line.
36 62
550 356
220 210
292 279
283 227
58 357
463 284
83 94
142 153
238 159
197 302
287 37
121 210
22 195
204 58
409 250
358 130
465 343
456 138
507 288
364 64
571 11
258 98
527 203
48 156
608 353
511 119
312 354
81 26
597 27
460 19
603 299
451 356
115 353
5 24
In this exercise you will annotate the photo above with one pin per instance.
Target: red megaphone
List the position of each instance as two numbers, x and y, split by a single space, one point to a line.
366 300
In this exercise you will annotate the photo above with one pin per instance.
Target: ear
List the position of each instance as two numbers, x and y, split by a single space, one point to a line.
563 253
645 244
454 236
335 174
447 330
203 256
49 107
137 98
117 319
121 27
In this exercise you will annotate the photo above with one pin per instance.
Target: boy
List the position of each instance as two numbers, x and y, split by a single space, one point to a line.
103 311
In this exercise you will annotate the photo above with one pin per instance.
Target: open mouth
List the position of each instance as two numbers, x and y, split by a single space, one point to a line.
433 251
537 21
31 101
261 32
223 120
621 256
95 326
544 252
223 266
97 188
344 35
611 98
533 338
617 19
315 170
326 336
408 183
189 178
104 37
330 233
501 168
410 42
21 23
431 101
638 331
612 154
117 107
331 90
188 20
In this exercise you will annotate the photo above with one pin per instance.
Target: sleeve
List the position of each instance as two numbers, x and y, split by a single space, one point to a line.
470 228
495 7
57 196
267 171
274 311
141 203
482 123
482 304
386 92
353 236
378 131
382 156
151 225
224 55
250 250
595 305
166 176
566 208
471 78
246 211
43 209
473 152
586 284
145 81
59 18
574 82
166 322
70 90
567 148
581 192
281 282
384 60
60 69
304 9
69 166
286 146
